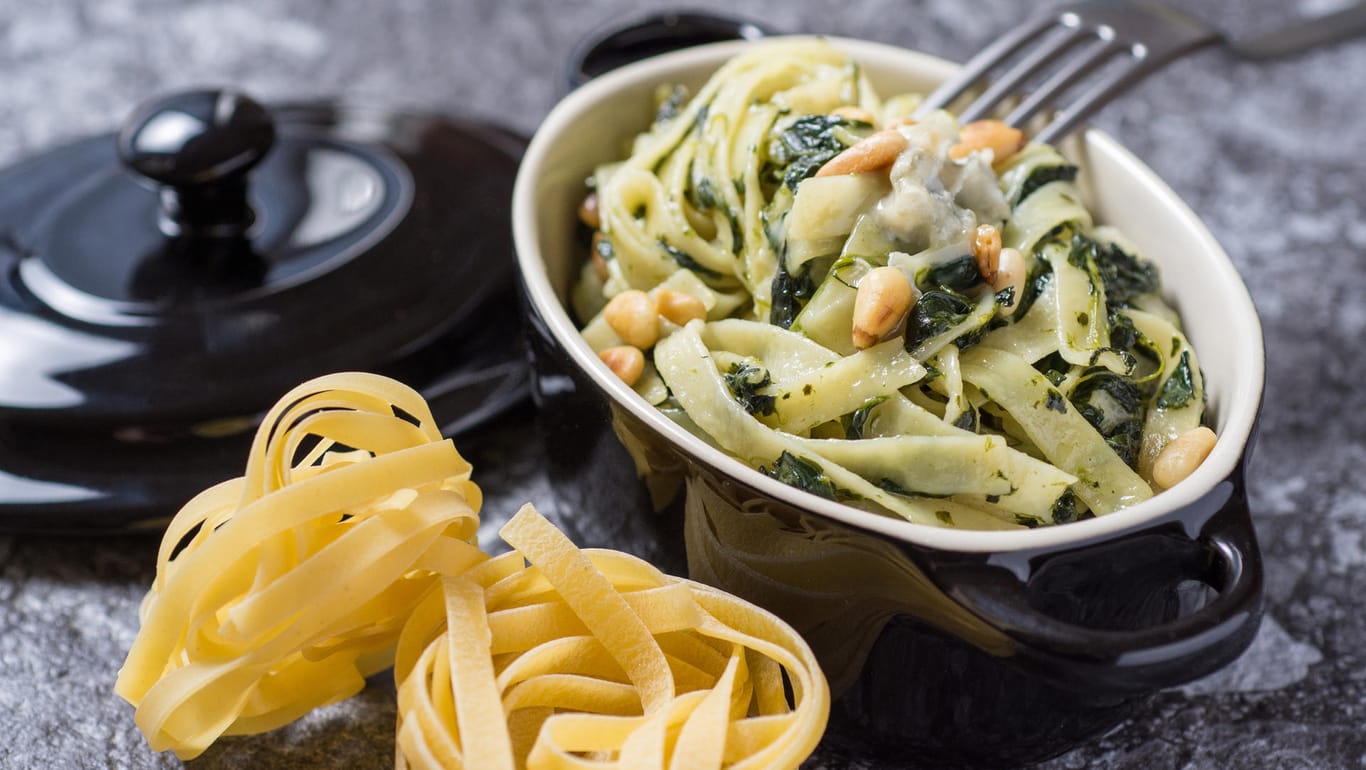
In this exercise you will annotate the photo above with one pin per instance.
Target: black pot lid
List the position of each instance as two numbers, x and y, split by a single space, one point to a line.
163 286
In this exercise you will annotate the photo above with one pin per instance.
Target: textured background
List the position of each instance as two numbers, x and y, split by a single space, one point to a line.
1270 155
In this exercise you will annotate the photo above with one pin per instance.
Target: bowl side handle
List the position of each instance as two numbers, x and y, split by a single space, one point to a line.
1117 613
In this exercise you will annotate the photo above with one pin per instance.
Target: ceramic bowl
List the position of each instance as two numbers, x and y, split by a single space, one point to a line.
953 646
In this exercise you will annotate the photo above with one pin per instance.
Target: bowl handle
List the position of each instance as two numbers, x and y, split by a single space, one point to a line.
1048 600
640 37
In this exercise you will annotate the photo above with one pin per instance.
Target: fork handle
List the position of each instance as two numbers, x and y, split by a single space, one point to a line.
1303 35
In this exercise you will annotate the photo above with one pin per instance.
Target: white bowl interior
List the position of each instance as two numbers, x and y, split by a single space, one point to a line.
596 123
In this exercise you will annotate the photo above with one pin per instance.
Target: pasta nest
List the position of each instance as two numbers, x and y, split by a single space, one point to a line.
349 545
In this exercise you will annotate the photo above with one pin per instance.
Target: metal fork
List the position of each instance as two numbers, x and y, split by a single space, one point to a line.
1130 39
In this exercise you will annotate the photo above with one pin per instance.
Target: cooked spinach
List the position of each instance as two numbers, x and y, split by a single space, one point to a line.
967 420
1123 275
1026 520
1054 367
944 516
1115 406
686 260
1056 402
1179 388
1065 508
934 313
745 381
805 475
1039 276
672 103
1043 175
790 295
856 422
958 275
799 150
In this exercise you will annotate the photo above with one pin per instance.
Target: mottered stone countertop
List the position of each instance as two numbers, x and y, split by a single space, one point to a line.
1270 155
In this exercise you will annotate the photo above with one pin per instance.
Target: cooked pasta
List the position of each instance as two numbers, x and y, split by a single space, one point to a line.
348 546
1033 375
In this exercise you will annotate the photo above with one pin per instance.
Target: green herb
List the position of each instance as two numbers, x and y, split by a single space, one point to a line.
790 295
1115 406
1035 283
686 260
745 381
672 103
958 275
1054 367
1042 176
1028 521
804 146
702 193
944 516
933 314
856 422
1123 275
1056 402
804 475
1179 388
967 420
1065 508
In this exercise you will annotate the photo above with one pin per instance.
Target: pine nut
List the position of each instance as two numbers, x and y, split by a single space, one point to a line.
1011 273
633 316
875 152
588 211
679 307
595 256
1182 456
850 112
986 250
625 361
1002 140
884 296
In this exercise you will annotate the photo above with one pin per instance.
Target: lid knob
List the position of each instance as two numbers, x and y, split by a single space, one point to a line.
198 146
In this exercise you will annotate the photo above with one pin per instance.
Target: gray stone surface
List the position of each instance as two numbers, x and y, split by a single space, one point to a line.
1270 155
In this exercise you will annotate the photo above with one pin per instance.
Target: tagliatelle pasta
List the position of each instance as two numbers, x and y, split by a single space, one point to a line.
598 660
902 314
348 546
280 591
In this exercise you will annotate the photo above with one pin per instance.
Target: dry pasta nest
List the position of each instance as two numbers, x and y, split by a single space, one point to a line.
349 546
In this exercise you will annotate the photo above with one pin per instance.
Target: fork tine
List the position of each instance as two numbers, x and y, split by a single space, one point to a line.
1097 54
1060 43
983 62
1093 98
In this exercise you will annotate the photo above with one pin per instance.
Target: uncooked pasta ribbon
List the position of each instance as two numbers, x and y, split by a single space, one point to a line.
349 546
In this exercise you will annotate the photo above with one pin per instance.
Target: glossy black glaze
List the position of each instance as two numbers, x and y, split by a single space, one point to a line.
638 38
378 237
198 146
958 659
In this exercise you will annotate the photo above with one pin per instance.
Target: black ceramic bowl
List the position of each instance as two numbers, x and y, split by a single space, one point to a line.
941 645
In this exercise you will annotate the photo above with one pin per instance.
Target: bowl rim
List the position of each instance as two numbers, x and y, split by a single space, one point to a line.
1239 413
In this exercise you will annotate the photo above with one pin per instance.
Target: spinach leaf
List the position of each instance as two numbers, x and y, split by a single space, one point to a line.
934 313
805 475
790 295
672 103
1115 406
1065 508
1043 175
856 422
686 260
803 147
745 381
958 274
1123 275
1179 388
1039 276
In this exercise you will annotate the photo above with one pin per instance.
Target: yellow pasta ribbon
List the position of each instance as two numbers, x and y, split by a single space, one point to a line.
280 591
349 546
642 670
